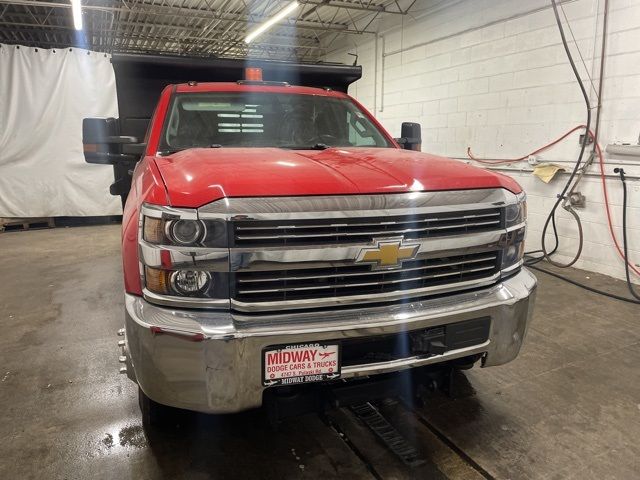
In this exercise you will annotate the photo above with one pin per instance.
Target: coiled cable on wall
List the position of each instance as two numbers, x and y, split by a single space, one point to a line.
531 260
627 264
625 254
561 197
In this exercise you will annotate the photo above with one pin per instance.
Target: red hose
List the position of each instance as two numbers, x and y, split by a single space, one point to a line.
602 177
519 159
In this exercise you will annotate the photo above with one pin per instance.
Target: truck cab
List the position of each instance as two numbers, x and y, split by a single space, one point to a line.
276 235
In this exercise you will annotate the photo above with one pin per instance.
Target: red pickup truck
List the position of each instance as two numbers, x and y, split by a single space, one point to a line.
276 235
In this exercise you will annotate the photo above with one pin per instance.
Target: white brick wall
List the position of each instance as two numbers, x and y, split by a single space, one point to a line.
492 75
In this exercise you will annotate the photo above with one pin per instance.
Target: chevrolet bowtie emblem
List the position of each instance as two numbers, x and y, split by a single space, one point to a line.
387 254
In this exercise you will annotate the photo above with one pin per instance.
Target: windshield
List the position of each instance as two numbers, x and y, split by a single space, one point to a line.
222 119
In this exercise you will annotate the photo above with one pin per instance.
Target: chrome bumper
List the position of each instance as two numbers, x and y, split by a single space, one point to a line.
211 361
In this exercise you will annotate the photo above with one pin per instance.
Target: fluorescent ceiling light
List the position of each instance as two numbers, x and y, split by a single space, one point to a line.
271 22
76 8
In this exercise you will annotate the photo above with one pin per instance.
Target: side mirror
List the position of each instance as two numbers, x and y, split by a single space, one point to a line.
411 136
102 143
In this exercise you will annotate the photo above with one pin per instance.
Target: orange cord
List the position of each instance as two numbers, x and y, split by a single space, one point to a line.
519 159
602 177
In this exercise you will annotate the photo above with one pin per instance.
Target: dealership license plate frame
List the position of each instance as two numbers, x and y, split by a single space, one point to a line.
268 381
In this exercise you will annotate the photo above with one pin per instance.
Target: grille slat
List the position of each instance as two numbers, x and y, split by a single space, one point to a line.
266 278
270 233
344 281
352 285
297 235
362 224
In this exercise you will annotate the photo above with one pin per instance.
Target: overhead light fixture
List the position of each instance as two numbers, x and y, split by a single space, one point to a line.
76 8
271 22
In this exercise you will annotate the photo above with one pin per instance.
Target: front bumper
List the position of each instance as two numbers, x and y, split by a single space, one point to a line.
210 361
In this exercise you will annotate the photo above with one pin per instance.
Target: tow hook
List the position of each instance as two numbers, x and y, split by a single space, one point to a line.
430 341
123 352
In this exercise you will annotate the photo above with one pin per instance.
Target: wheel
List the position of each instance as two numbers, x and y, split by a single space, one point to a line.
155 415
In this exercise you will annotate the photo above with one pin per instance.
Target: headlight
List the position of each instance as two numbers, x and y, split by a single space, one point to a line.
190 282
184 232
513 241
184 260
513 250
516 213
186 283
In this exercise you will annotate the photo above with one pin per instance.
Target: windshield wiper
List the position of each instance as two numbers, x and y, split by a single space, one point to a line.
171 151
316 146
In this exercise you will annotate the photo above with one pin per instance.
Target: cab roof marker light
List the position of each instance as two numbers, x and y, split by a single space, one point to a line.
253 74
76 8
271 22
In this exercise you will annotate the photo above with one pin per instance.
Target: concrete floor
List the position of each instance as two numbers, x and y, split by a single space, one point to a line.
568 407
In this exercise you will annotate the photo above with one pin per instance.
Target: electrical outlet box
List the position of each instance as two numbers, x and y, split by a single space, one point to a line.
584 137
577 199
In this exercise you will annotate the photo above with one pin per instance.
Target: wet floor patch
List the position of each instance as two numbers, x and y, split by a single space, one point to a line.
107 441
132 436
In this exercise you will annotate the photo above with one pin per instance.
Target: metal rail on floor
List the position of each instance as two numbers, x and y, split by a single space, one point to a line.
379 425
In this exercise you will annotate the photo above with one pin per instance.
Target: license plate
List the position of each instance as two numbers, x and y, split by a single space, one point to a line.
300 363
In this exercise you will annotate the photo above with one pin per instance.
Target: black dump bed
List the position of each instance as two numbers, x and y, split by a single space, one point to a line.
141 78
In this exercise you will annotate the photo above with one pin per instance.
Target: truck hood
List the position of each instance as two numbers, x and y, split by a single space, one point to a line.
199 176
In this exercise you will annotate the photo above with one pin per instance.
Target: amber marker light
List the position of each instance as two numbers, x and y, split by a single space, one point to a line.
157 280
253 74
153 230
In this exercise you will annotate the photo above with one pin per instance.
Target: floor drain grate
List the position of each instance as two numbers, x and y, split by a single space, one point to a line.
387 433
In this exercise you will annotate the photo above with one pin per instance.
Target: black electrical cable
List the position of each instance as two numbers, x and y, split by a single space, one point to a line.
534 260
586 287
561 196
626 256
624 232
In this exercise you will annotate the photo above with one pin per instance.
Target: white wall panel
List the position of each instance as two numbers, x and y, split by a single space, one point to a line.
492 75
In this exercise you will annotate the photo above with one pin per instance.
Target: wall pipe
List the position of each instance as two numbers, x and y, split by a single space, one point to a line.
605 21
471 29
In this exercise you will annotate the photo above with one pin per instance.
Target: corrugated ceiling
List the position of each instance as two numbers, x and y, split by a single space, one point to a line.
192 27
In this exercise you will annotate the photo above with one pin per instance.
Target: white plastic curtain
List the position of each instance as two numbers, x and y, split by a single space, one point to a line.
44 95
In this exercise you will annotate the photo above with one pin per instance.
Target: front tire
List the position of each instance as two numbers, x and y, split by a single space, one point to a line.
154 415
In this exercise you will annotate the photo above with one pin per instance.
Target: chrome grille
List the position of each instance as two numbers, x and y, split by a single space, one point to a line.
352 280
358 230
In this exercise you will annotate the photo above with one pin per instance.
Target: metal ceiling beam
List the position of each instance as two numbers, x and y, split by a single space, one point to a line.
183 12
352 6
152 36
191 27
64 21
